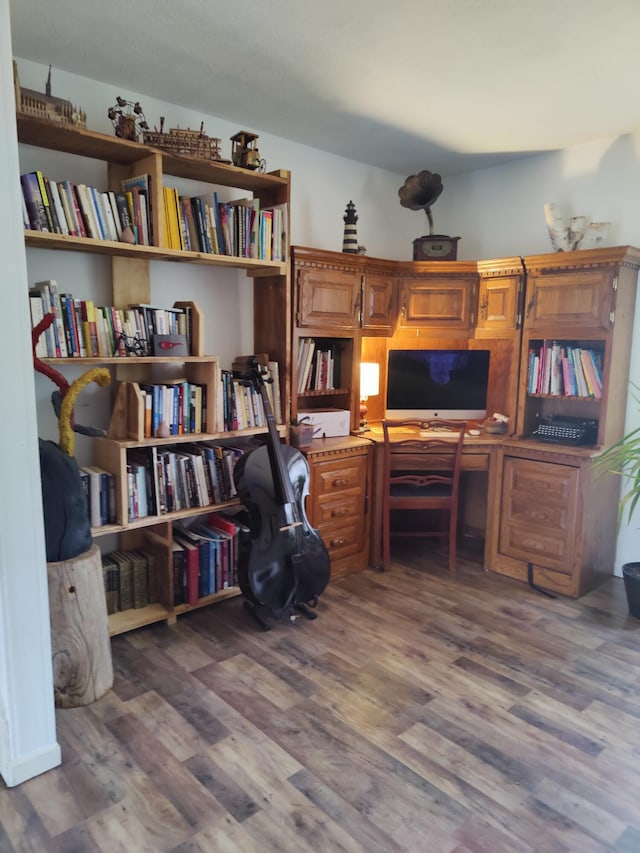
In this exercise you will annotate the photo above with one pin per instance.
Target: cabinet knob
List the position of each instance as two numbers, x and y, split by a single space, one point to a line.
342 511
336 542
340 481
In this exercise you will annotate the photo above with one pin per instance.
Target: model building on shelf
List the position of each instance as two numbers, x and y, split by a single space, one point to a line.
47 106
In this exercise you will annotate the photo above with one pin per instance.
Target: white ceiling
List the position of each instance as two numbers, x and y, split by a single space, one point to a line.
444 85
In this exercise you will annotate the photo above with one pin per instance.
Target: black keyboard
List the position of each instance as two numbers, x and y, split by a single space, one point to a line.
567 431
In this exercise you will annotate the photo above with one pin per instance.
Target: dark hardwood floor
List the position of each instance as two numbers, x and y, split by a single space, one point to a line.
418 713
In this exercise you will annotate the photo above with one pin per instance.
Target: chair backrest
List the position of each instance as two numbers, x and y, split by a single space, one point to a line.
423 453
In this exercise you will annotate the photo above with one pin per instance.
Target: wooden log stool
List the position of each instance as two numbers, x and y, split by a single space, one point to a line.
81 650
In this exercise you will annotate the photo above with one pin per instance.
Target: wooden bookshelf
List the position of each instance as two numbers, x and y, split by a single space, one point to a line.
131 284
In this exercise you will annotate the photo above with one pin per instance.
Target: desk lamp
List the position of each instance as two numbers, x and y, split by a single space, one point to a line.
369 387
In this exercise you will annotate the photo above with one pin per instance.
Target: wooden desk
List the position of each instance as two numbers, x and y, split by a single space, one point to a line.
478 458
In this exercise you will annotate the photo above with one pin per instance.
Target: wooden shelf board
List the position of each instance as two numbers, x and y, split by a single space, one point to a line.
133 359
100 146
573 398
232 592
150 520
324 393
129 620
106 529
64 242
192 437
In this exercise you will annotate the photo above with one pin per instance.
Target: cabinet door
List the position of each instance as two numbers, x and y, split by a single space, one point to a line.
498 306
377 304
569 300
538 513
439 303
328 297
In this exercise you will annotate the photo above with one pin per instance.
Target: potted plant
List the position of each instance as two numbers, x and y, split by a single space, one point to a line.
301 432
623 459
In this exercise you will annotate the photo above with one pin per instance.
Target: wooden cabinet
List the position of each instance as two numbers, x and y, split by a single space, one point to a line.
131 283
438 296
557 513
575 302
328 298
339 298
378 304
338 500
340 291
569 297
500 293
557 516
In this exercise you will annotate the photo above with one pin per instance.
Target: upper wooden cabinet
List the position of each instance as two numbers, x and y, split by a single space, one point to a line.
342 291
328 297
438 295
500 294
569 291
378 303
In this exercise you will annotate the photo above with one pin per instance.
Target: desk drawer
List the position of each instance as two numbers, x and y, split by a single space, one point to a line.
337 475
339 507
342 541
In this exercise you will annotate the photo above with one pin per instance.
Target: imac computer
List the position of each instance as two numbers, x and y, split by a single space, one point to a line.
437 383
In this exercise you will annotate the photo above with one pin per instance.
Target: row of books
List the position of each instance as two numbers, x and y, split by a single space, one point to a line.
239 228
99 490
161 480
175 407
83 329
242 404
205 557
565 370
129 579
81 210
317 366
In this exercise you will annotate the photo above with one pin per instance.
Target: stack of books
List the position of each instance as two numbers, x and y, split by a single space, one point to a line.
80 210
564 369
83 329
239 228
128 579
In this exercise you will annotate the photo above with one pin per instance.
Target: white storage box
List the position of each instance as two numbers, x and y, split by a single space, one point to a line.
328 422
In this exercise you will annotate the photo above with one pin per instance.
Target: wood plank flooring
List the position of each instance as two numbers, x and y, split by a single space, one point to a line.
417 713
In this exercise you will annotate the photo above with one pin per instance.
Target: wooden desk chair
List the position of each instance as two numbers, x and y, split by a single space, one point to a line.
421 472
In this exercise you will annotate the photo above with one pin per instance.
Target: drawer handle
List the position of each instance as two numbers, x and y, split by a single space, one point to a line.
342 511
335 542
341 481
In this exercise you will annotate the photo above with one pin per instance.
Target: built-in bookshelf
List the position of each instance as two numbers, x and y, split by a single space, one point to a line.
136 366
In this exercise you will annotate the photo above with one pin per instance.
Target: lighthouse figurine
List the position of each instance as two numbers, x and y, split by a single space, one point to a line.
350 240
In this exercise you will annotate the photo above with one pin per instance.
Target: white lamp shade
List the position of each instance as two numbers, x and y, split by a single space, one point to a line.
369 379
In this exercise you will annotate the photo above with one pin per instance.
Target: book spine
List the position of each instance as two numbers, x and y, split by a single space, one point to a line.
35 205
59 220
45 200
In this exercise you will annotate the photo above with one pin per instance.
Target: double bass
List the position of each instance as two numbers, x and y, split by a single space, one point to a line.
284 565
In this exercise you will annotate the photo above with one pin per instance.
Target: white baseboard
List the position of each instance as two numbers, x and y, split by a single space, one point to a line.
16 772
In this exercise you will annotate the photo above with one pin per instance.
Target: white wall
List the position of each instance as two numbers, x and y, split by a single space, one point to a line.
27 722
497 212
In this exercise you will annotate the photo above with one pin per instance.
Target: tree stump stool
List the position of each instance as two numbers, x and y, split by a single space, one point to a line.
81 650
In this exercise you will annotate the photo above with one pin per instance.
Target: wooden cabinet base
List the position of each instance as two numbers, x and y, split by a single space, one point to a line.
337 505
81 651
556 514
